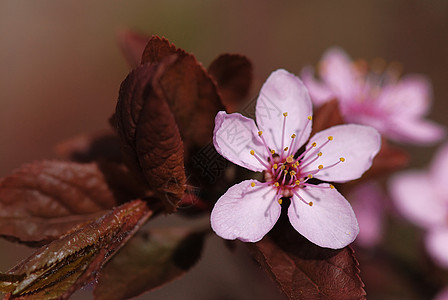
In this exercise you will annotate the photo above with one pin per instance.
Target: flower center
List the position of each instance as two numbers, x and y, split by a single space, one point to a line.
288 172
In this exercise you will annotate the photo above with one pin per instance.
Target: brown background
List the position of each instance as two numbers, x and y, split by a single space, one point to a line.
60 67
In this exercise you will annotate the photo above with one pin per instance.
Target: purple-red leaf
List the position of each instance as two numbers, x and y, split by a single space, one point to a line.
190 93
87 148
58 269
152 258
42 200
306 271
233 74
132 45
150 138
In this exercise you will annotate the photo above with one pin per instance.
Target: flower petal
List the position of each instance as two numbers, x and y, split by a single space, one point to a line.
410 96
439 170
330 222
234 136
284 92
442 295
415 198
436 243
416 131
336 70
246 213
368 203
357 144
319 91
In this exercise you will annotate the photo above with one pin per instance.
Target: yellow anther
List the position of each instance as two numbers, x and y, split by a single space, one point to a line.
310 118
310 176
252 184
297 182
260 133
280 201
285 172
275 166
296 164
289 159
310 204
293 136
330 138
285 114
342 159
292 173
319 154
252 152
314 144
276 184
331 186
320 167
286 149
282 167
272 151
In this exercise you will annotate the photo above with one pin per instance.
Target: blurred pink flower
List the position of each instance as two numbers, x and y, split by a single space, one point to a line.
422 197
249 210
442 295
367 201
395 107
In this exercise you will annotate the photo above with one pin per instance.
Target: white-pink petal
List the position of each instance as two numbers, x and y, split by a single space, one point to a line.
283 92
336 70
246 213
234 136
411 96
415 198
436 242
356 144
417 131
368 203
319 91
439 171
330 222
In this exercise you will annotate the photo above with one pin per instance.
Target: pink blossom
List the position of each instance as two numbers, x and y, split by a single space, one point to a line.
249 210
368 203
395 107
422 197
442 295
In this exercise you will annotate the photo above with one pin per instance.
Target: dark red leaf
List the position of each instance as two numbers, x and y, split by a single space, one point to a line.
41 201
132 45
87 148
151 259
233 75
57 270
190 93
306 271
158 49
150 137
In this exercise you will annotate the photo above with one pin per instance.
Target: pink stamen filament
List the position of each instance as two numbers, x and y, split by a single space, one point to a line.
266 146
259 159
303 130
283 135
298 196
310 162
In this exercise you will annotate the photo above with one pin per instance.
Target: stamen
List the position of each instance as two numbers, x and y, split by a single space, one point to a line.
331 186
275 166
285 114
303 200
293 136
252 184
320 167
271 152
286 149
330 138
338 162
310 162
303 130
252 152
280 201
289 159
313 145
276 184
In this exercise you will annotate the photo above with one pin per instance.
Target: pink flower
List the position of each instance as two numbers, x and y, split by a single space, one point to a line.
368 203
422 197
248 210
377 98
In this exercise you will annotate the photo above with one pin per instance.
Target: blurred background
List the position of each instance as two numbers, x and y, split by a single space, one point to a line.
60 70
